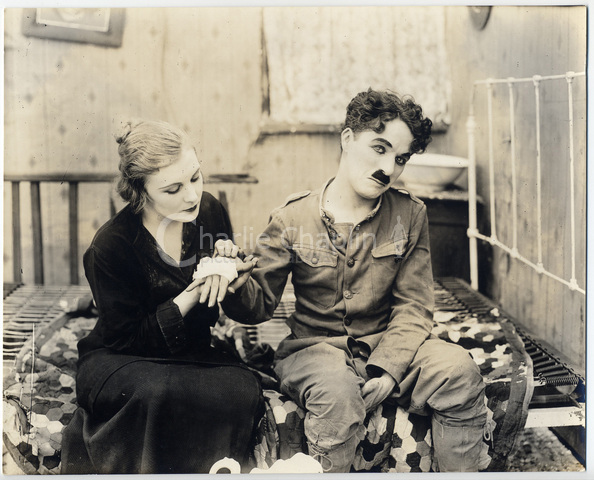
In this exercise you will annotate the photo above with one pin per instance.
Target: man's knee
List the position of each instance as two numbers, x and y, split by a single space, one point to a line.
323 380
463 372
463 391
319 373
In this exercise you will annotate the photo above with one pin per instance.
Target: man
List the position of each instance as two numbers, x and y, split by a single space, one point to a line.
358 254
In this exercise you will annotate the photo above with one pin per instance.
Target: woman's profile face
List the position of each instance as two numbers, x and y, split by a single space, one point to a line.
174 192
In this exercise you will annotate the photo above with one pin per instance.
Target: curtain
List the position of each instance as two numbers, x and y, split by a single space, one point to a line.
318 58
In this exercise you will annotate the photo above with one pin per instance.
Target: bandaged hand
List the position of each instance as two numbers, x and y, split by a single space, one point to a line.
376 390
220 275
222 266
214 274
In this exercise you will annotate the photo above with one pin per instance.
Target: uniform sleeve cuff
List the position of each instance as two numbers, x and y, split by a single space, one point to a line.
375 368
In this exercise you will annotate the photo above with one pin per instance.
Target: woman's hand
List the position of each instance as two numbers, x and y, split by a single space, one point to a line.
226 248
376 390
215 286
220 284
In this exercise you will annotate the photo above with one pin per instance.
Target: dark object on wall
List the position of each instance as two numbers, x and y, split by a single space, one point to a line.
448 221
479 16
99 26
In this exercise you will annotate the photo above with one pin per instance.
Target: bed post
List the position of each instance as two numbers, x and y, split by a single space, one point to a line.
472 214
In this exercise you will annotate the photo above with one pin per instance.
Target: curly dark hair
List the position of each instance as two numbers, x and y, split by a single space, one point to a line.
370 110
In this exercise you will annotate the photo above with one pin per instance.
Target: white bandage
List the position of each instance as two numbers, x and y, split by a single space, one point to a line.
223 266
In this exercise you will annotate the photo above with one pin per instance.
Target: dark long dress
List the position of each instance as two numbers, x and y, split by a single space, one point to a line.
154 396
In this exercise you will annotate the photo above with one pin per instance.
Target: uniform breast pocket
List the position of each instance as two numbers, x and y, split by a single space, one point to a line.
385 264
315 272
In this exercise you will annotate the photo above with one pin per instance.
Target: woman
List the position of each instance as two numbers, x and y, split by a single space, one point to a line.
154 396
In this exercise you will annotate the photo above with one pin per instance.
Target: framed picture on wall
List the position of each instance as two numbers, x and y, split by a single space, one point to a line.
100 26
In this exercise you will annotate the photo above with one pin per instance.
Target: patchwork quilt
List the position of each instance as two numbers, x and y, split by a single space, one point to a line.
39 397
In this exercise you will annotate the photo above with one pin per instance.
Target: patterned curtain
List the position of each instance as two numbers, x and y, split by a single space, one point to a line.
320 57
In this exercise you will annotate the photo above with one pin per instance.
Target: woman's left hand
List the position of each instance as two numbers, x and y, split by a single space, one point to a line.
214 287
218 285
226 248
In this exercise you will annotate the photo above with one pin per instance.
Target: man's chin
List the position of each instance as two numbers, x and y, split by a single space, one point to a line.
373 195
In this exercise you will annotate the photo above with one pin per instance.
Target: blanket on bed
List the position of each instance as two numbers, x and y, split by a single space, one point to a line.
39 396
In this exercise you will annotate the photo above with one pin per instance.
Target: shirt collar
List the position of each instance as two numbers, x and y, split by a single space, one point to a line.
327 216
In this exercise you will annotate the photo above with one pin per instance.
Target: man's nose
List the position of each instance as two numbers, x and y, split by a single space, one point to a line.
387 165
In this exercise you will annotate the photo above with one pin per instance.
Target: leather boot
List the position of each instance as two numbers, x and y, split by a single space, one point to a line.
459 448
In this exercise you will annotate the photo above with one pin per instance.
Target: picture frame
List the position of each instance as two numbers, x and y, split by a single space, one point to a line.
99 26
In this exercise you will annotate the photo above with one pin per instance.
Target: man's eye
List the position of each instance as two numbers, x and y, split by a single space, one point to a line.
379 149
401 160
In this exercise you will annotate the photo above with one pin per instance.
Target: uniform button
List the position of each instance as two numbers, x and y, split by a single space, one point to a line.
347 321
314 260
350 262
348 294
357 228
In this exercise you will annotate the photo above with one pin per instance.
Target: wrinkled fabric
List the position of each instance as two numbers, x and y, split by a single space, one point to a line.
442 380
164 417
156 397
370 293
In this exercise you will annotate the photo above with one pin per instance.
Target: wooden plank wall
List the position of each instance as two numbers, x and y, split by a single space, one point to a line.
522 42
63 101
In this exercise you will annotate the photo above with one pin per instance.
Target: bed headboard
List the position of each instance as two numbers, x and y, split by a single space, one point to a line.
502 99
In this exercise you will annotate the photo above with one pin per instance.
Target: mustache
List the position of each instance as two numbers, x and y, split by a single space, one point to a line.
381 176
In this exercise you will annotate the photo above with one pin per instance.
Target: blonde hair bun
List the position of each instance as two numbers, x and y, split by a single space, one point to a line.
124 128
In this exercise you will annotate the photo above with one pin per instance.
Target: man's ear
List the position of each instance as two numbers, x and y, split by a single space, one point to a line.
346 136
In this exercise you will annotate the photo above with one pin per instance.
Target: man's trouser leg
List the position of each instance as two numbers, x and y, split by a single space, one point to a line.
322 380
444 378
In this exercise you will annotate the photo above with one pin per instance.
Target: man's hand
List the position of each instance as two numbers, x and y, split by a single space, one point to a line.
376 390
215 287
244 271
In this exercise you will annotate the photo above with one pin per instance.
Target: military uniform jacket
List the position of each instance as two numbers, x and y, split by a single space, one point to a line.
367 288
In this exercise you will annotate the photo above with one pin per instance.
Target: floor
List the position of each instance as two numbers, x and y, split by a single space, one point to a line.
539 450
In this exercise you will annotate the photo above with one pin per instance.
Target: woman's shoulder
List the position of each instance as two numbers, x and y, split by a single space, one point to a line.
209 201
211 209
118 232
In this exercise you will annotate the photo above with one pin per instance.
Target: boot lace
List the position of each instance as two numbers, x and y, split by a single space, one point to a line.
321 456
488 430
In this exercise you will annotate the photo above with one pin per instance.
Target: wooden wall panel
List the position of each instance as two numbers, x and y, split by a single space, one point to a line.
212 68
7 229
521 42
284 164
65 100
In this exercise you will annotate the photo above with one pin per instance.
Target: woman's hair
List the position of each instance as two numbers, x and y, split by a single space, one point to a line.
144 147
371 110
